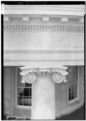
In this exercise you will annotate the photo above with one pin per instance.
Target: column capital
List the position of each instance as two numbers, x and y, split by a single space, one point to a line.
58 75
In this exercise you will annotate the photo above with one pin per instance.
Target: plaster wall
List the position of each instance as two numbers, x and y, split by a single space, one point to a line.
7 91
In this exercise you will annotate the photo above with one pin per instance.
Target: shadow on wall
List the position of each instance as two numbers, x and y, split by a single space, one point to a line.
77 115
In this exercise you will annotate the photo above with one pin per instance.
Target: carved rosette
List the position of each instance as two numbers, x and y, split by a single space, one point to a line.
58 76
29 78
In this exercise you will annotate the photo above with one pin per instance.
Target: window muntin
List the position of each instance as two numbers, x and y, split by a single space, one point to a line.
24 91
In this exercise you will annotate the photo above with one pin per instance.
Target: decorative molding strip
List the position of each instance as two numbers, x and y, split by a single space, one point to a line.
60 60
44 27
60 50
40 56
31 64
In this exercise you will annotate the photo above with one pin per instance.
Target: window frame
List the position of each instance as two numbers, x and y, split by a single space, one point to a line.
77 98
16 98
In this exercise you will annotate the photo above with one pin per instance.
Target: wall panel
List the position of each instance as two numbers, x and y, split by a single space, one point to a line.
8 91
57 100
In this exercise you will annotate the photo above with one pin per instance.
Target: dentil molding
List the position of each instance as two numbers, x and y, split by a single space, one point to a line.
43 22
54 27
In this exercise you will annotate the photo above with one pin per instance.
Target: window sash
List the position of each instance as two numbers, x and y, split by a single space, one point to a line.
23 100
73 85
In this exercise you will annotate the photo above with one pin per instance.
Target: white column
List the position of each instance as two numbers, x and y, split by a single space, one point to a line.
43 98
43 90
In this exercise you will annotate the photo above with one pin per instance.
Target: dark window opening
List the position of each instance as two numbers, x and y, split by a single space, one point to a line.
73 82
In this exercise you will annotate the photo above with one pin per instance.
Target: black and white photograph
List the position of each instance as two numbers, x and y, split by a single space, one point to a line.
43 73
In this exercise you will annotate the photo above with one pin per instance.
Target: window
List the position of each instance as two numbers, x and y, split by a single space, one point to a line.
24 91
73 82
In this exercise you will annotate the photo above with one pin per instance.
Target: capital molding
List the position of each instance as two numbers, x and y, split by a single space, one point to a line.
57 75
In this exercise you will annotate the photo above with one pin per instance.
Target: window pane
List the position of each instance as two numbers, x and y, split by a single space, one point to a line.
72 78
20 91
71 96
71 87
27 101
24 101
24 96
27 85
20 101
23 91
72 91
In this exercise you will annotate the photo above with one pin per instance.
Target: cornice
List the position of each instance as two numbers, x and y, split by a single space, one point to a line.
77 10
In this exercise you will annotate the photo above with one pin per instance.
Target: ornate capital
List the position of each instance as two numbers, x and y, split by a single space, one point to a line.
57 75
